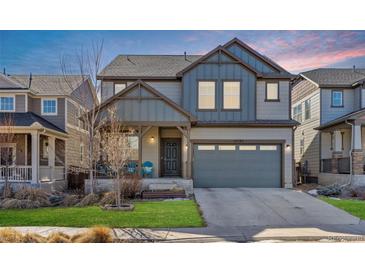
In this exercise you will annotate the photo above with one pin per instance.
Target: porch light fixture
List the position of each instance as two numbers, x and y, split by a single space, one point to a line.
152 139
287 146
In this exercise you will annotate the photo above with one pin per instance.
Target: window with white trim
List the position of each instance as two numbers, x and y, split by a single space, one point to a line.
297 113
337 98
7 103
231 95
307 109
82 152
49 106
206 95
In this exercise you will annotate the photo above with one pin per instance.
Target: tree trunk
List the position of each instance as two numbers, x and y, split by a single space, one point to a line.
118 190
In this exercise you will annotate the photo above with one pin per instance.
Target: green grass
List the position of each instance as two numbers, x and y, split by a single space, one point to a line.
354 207
145 215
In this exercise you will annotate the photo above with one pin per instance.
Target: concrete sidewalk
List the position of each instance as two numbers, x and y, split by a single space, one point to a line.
327 233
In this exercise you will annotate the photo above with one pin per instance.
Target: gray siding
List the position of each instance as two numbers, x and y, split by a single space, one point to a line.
302 89
20 103
72 114
172 89
146 109
219 73
272 110
58 120
250 59
107 90
311 137
84 95
330 113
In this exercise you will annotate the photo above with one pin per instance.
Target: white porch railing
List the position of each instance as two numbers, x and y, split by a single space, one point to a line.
16 173
47 173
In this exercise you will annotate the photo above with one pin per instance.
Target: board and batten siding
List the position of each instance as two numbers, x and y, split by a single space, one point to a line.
250 59
219 73
311 136
170 89
145 110
350 104
266 110
34 105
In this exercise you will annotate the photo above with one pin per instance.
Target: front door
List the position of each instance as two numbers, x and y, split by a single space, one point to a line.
171 157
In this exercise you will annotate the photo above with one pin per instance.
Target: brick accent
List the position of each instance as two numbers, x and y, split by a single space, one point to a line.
357 162
334 162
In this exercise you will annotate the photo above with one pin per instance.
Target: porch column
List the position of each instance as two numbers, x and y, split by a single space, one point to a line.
51 155
357 152
189 154
337 150
140 150
35 156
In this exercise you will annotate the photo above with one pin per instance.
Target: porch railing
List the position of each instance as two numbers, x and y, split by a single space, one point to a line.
343 165
47 173
327 165
16 173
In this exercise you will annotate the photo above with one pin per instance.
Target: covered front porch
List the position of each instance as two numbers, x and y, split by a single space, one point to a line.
342 150
32 156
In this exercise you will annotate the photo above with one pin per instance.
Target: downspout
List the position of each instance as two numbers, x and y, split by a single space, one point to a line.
351 150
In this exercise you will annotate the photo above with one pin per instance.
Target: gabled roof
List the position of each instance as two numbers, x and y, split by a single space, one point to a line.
214 51
140 83
50 84
347 117
335 77
146 66
263 58
27 119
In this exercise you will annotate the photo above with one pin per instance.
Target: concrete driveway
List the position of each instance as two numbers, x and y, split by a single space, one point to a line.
232 207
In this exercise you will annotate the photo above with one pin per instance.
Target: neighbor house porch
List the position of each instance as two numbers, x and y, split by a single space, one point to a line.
32 156
342 151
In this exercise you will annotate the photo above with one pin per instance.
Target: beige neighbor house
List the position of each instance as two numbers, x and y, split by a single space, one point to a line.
48 136
222 119
329 143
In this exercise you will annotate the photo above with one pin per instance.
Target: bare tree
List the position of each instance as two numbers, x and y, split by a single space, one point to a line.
117 146
88 66
7 137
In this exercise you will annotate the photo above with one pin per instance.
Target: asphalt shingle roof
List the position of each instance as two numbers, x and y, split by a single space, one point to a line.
26 119
7 83
50 84
335 76
147 65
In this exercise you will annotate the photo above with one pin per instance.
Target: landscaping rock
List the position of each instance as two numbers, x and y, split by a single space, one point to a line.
313 192
334 190
88 200
56 200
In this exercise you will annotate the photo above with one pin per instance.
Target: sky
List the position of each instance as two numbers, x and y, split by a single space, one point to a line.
40 52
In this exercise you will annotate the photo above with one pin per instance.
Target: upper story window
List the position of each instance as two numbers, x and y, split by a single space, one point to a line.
337 98
49 106
206 95
307 109
231 95
7 103
118 87
297 113
272 92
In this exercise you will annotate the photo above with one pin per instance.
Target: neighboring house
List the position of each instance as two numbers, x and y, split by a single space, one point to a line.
49 137
222 119
330 105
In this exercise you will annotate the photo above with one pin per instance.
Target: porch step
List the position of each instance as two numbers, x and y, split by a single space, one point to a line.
163 194
162 186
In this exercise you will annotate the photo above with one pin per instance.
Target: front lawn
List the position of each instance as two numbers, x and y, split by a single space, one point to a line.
183 213
354 207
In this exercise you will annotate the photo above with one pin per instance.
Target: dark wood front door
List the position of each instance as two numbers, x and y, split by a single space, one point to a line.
171 157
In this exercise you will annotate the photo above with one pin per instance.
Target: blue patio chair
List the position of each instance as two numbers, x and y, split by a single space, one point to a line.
147 169
132 167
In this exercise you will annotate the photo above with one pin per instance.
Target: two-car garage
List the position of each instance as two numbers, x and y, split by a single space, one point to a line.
218 165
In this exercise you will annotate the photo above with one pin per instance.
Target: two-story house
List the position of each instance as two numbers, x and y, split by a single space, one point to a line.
222 119
48 136
330 105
